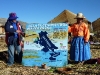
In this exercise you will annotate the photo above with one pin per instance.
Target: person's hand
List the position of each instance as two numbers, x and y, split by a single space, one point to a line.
86 42
22 49
23 34
18 31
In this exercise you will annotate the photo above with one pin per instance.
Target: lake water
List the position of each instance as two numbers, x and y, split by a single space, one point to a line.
38 57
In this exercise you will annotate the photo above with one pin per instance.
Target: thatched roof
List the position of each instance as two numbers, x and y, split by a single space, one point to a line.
65 16
96 25
68 16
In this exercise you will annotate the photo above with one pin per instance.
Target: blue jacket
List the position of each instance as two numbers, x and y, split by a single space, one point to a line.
10 35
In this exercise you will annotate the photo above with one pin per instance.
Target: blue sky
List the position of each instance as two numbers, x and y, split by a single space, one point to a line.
42 11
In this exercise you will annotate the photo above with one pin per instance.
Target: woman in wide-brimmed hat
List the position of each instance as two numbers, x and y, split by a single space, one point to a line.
13 31
80 48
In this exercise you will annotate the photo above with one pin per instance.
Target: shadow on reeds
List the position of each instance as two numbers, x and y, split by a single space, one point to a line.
3 56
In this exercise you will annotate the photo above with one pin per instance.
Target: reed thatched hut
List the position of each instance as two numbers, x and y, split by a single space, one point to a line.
96 27
68 16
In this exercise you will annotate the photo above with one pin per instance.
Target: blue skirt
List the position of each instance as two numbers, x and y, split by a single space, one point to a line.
79 50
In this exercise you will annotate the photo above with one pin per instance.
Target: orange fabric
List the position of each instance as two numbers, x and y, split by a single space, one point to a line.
80 30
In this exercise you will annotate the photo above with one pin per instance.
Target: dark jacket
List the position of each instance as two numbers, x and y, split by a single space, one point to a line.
9 29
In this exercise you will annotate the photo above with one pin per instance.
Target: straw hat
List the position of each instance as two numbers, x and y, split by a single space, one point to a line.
79 15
